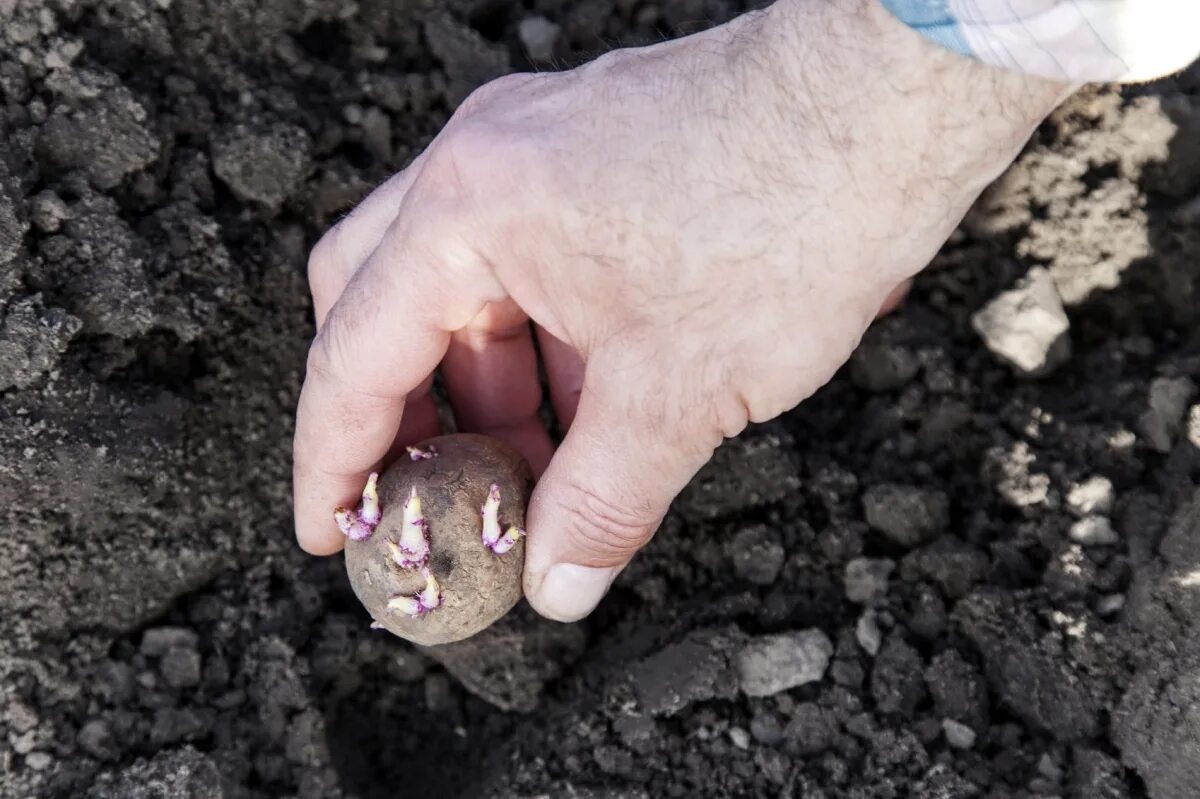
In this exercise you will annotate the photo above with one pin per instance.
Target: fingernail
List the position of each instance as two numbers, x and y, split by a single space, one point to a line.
569 592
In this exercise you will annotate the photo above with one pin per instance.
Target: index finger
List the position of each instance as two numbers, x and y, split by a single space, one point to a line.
384 336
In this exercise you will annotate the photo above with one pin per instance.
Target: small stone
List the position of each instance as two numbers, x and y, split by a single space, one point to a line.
352 113
812 729
866 579
897 682
1167 402
1094 495
33 339
766 728
847 672
757 554
957 688
38 761
1049 769
636 732
106 137
880 365
96 739
262 164
47 211
377 134
509 663
25 743
158 640
739 737
866 632
953 564
908 515
539 36
1193 426
1110 604
769 664
958 735
694 669
19 716
114 681
1026 327
181 667
177 724
1093 531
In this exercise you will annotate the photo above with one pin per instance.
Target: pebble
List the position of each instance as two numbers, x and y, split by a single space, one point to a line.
769 664
96 739
1093 531
867 632
1110 604
882 366
539 36
19 716
1026 327
1094 495
48 211
766 729
757 554
812 729
158 640
740 738
181 667
908 515
636 732
1162 421
38 761
866 579
958 735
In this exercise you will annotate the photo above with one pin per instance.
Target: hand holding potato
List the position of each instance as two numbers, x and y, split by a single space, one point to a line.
699 231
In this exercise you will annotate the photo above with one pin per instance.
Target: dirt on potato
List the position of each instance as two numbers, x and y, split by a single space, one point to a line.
939 577
475 586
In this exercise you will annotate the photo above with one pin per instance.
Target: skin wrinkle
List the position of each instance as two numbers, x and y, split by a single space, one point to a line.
693 220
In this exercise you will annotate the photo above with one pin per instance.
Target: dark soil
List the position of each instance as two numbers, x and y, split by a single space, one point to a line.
165 166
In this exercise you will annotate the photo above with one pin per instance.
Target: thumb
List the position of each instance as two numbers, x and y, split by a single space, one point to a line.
604 494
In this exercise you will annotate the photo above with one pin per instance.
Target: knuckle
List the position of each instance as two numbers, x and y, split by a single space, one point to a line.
483 96
322 259
606 530
458 165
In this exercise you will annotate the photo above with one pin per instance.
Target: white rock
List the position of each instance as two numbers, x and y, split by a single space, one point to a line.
769 664
1193 422
866 631
740 738
1026 327
38 761
1093 531
1093 495
958 735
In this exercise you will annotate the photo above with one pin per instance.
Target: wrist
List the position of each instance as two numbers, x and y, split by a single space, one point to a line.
915 126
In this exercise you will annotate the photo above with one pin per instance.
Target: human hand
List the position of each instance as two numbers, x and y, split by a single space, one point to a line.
700 232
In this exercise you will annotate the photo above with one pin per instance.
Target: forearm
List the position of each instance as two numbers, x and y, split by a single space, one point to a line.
916 127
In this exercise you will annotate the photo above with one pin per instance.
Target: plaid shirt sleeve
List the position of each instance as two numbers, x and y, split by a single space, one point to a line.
1078 41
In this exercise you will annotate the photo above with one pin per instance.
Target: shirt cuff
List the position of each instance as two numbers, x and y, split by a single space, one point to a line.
1077 41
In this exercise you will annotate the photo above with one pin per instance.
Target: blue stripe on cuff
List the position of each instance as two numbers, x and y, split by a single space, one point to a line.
933 20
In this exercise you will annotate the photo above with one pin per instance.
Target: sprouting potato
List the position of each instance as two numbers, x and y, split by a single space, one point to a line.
436 549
